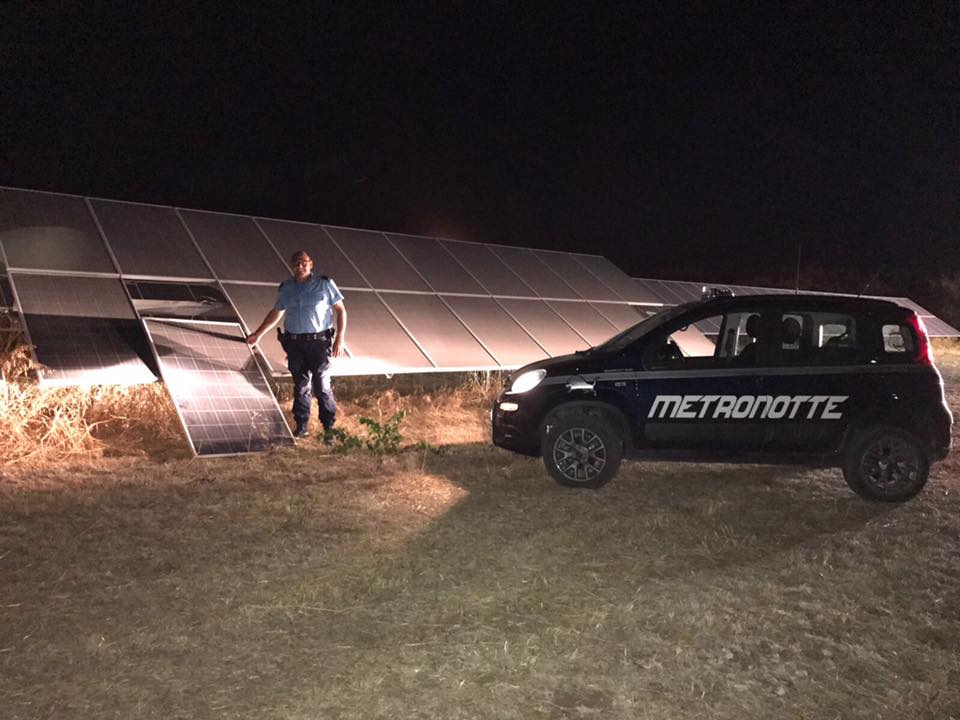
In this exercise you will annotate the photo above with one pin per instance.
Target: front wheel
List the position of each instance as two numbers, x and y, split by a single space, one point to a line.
581 449
886 464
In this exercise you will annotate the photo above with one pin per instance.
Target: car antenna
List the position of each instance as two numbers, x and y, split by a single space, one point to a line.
871 279
796 284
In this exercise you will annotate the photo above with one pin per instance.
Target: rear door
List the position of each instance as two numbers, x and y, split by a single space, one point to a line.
820 380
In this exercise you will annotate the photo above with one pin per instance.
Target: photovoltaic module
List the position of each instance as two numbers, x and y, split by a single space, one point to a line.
223 400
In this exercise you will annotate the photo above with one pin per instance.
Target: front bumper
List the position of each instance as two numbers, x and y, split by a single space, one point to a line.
516 430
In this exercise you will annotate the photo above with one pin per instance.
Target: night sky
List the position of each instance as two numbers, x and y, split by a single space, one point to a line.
692 145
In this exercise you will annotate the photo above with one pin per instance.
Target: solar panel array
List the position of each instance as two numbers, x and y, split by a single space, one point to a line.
415 303
222 398
675 292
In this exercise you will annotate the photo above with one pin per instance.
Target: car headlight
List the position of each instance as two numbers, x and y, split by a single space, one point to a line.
527 381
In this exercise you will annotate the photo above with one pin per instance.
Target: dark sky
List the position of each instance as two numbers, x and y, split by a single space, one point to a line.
686 145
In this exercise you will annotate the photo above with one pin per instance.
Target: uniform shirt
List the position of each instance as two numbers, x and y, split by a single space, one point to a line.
308 305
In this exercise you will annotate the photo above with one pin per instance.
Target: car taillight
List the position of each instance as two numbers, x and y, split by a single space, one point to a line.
925 356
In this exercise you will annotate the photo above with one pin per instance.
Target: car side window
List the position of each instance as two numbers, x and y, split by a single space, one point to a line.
699 343
819 338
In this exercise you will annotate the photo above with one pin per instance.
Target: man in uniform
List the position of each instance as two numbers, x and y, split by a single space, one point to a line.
314 322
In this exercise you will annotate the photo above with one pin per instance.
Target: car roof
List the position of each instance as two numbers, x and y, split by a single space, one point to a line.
800 301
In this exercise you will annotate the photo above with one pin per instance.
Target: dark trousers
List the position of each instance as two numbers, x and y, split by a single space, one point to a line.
309 363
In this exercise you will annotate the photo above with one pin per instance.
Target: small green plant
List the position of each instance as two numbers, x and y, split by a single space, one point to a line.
384 437
345 441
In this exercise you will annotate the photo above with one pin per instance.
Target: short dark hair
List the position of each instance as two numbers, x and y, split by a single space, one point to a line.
300 255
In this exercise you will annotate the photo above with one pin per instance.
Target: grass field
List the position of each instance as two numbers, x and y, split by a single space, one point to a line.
463 583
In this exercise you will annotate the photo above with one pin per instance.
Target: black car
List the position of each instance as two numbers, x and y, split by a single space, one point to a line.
802 379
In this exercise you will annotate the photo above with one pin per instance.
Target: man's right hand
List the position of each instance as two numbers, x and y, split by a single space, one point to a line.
253 339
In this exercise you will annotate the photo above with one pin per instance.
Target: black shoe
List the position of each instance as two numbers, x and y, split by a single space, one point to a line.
328 436
301 431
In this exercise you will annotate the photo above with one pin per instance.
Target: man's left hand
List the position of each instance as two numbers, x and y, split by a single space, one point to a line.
337 349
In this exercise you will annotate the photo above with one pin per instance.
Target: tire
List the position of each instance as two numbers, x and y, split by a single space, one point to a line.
885 464
581 448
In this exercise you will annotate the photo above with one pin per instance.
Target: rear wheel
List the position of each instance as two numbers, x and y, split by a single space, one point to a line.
581 448
886 463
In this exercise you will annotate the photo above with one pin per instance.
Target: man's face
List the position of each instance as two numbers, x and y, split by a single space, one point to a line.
302 267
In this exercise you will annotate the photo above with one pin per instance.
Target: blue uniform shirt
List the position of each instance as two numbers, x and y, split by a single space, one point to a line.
308 305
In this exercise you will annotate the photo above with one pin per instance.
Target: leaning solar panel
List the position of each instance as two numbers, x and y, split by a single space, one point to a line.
83 329
222 398
45 231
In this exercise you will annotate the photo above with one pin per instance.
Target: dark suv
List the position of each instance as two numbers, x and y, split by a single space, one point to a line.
804 379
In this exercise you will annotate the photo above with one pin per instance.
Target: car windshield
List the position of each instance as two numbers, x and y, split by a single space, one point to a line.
631 334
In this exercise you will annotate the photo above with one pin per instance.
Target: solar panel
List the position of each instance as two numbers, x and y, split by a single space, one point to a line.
617 280
441 335
377 343
288 237
583 318
221 396
149 240
583 282
534 273
438 267
544 326
620 315
83 330
235 247
253 302
43 231
378 261
488 269
509 344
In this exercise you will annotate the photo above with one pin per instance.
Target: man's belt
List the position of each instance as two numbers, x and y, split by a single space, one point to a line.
325 335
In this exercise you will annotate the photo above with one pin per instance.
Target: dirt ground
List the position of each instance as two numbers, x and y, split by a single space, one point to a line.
460 582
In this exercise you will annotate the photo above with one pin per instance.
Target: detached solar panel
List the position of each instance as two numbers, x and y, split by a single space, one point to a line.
222 398
83 329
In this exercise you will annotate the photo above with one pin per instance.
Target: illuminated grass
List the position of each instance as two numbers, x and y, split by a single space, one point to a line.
466 584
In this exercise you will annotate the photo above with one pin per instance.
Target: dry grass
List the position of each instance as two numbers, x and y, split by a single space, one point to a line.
465 584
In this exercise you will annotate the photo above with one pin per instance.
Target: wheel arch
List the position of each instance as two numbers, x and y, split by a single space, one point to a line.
602 408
